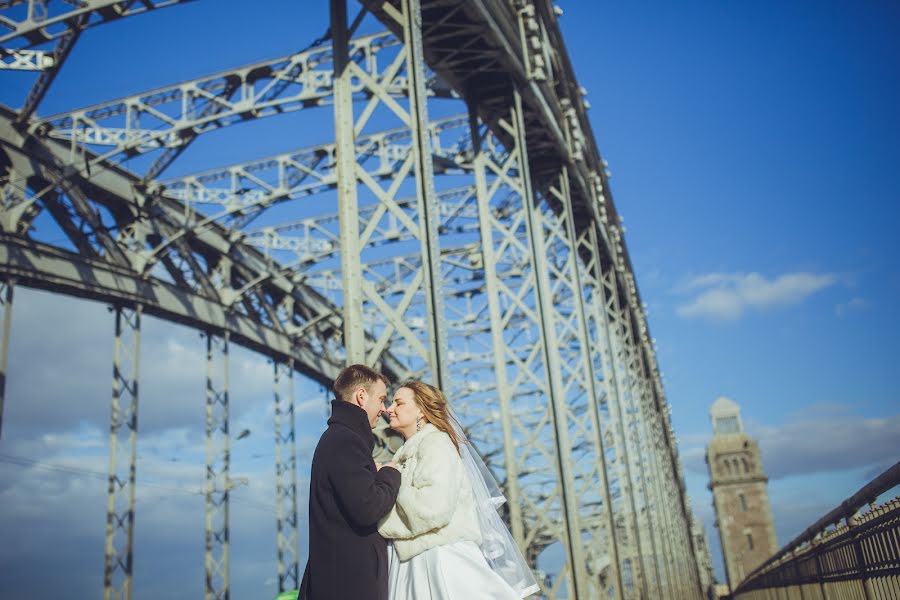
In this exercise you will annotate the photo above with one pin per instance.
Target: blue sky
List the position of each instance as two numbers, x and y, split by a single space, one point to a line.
754 151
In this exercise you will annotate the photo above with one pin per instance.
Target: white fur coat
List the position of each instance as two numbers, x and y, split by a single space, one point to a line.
435 505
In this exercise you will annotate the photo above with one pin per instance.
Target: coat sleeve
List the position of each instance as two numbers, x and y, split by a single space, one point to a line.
365 494
430 499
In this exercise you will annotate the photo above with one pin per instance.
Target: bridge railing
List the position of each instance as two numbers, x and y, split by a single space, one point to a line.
847 554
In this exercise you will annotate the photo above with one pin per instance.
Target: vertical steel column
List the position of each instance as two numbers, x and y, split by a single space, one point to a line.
678 511
638 416
544 308
504 390
671 546
119 553
6 303
653 426
653 435
286 478
606 306
594 397
621 361
357 287
428 208
348 208
218 485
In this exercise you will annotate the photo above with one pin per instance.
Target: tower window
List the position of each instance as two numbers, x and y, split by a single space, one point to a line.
726 425
743 502
750 541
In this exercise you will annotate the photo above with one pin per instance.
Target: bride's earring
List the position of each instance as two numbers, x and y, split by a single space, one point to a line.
418 423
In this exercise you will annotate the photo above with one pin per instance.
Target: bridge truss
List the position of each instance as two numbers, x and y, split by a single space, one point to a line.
480 250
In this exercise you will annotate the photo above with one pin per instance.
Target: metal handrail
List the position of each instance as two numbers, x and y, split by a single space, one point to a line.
845 511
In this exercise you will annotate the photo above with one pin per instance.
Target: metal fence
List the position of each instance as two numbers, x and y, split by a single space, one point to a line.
853 552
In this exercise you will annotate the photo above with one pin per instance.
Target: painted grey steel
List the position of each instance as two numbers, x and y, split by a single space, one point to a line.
643 450
7 287
165 120
501 352
549 347
120 507
177 288
25 60
54 63
615 320
287 517
582 419
407 68
659 529
585 342
425 193
603 312
48 20
217 559
513 292
348 205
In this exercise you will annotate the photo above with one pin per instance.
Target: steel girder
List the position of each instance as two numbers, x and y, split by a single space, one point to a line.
28 23
287 516
199 281
463 290
35 22
599 309
238 194
147 239
547 507
411 111
479 50
218 461
622 412
167 119
117 580
25 60
6 297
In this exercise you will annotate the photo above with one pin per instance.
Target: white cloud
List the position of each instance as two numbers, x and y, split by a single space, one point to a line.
57 414
822 439
55 508
727 296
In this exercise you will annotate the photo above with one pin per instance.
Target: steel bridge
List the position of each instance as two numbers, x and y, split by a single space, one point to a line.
480 250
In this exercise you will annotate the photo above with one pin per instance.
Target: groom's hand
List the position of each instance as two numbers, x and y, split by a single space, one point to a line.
390 464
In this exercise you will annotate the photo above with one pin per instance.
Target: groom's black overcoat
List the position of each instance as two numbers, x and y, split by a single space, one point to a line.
347 497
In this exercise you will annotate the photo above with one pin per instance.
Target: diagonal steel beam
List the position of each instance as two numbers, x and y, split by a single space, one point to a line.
306 313
242 190
55 63
47 20
25 60
167 118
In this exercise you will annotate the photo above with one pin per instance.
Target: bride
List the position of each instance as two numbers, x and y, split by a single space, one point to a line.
449 542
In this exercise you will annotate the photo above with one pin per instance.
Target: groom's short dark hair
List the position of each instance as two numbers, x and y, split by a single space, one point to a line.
353 378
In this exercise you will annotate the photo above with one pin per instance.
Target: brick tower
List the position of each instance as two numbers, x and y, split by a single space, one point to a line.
740 495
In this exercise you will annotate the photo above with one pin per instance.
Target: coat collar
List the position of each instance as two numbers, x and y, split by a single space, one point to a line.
410 445
353 417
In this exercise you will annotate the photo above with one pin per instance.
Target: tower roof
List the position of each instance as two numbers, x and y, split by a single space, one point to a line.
724 407
726 416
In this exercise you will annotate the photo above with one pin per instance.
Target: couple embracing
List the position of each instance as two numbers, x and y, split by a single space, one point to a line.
422 526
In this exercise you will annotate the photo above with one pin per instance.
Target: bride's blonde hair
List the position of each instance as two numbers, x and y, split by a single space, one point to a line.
433 404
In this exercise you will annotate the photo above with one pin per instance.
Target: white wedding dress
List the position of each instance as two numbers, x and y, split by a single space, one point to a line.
456 571
449 542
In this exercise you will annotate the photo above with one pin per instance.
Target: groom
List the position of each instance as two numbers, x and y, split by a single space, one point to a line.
348 494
